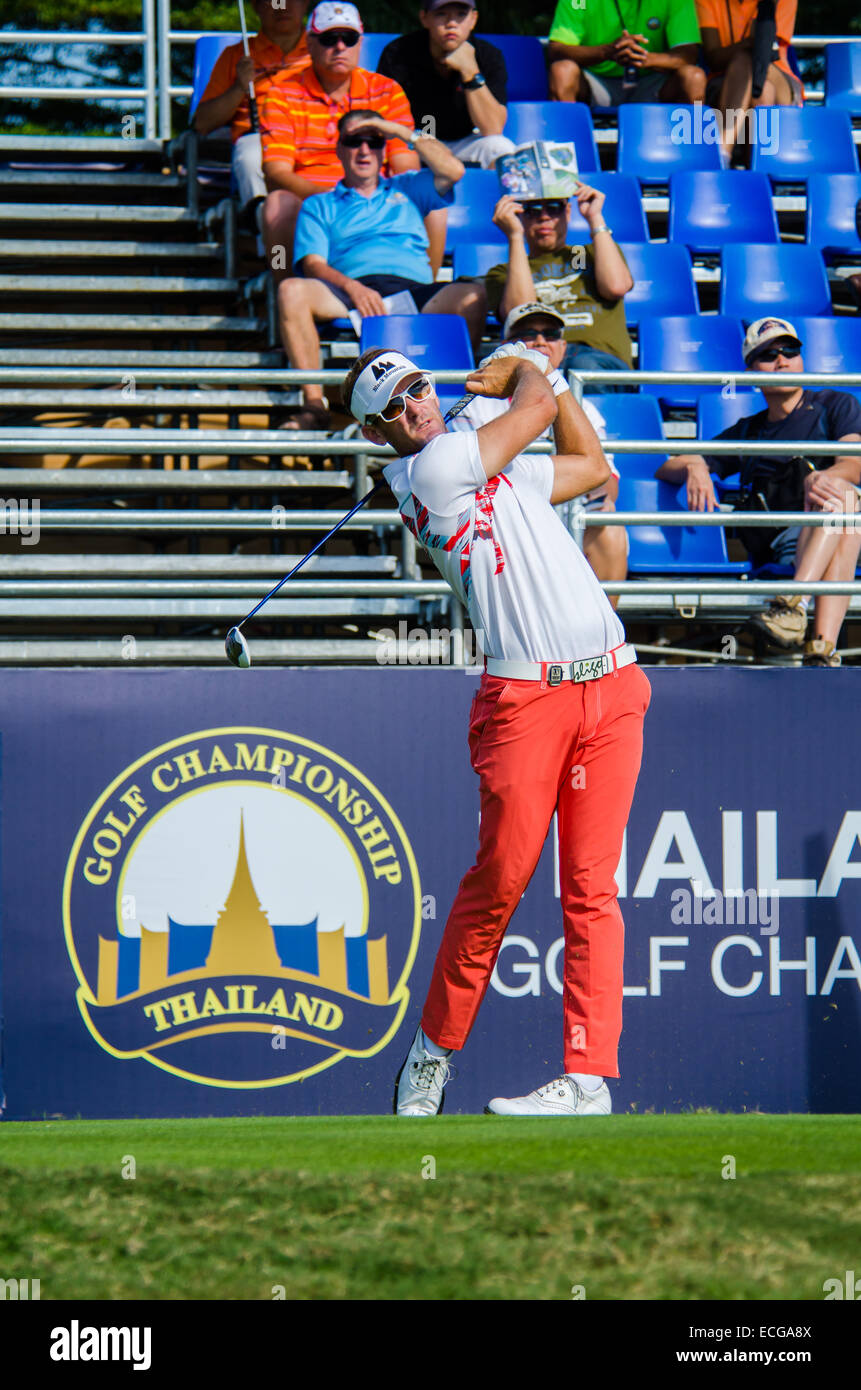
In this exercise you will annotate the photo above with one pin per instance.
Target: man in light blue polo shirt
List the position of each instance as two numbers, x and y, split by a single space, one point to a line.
365 240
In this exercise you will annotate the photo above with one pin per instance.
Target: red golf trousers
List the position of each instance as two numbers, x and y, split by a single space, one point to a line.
574 749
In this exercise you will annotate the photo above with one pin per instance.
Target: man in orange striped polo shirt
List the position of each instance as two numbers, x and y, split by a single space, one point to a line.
299 126
278 53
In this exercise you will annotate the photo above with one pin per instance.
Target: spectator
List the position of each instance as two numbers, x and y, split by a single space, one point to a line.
594 58
728 35
790 483
587 284
276 54
543 330
366 239
456 86
299 125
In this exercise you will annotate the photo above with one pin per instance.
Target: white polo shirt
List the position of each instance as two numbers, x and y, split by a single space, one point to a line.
530 593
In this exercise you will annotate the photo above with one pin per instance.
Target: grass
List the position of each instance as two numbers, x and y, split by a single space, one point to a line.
631 1208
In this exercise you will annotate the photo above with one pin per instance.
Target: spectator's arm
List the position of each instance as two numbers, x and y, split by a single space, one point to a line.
445 167
435 226
585 56
684 54
485 112
404 162
366 300
826 485
717 55
219 110
612 277
691 469
579 465
519 285
278 173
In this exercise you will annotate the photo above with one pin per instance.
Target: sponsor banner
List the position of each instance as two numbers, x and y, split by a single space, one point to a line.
222 893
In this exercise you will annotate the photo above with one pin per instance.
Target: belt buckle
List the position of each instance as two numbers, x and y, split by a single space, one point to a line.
554 674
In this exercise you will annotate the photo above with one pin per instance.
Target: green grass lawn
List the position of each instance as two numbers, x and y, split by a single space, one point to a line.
335 1208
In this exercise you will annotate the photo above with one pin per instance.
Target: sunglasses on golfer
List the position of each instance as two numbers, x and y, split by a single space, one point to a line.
418 390
348 37
771 354
374 140
553 206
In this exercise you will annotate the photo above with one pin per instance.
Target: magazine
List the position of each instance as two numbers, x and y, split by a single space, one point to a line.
400 303
542 169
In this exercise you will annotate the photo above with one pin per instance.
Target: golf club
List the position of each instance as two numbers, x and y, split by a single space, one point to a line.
235 644
252 99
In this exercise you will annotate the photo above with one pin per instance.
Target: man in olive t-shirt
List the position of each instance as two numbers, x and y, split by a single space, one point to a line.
606 53
586 284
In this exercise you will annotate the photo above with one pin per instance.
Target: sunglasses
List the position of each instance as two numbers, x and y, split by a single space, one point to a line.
418 391
553 206
550 335
348 37
375 141
771 354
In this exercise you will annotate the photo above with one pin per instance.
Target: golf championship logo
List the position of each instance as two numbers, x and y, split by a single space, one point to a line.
242 908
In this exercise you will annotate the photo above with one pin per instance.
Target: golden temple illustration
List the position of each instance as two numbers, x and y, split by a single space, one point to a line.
242 942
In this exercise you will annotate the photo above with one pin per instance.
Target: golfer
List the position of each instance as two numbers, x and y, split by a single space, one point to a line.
556 724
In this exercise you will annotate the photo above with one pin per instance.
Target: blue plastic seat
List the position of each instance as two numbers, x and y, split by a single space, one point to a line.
663 281
474 258
843 77
524 61
207 50
761 279
370 48
433 341
470 216
830 344
623 209
709 208
688 343
671 549
792 142
831 202
569 121
652 144
631 417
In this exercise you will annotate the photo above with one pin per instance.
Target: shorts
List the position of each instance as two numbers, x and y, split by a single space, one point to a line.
608 91
246 160
386 285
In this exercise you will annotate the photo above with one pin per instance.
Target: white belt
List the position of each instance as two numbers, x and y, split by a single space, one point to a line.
590 668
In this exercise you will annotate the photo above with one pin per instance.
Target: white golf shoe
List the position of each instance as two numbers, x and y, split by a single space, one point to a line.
420 1081
564 1096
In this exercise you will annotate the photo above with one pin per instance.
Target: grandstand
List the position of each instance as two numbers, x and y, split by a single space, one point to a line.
142 382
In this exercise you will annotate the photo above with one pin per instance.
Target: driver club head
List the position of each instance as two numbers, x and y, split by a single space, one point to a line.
236 648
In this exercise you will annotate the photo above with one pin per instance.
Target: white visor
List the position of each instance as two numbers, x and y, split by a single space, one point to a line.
376 384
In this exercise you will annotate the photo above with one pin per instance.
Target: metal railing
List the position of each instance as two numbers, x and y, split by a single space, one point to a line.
145 94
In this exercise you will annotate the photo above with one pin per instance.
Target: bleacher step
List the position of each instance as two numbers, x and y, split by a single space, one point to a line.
128 323
112 250
115 284
92 212
92 178
137 357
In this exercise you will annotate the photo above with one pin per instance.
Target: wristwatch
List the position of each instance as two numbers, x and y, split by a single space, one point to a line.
475 82
418 135
603 228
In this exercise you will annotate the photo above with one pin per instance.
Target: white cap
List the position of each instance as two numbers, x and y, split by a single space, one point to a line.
375 386
528 311
333 15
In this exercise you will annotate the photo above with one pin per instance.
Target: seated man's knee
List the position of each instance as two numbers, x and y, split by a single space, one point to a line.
292 294
563 78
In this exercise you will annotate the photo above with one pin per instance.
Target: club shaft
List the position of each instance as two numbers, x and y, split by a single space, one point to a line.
344 519
252 98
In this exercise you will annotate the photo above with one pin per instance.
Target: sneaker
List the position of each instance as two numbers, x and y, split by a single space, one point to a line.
420 1081
820 652
784 621
564 1096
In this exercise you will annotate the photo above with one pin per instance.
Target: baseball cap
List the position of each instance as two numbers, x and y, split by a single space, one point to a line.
765 331
431 5
374 387
526 311
334 15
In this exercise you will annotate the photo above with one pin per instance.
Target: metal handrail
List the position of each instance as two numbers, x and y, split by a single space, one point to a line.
289 377
145 94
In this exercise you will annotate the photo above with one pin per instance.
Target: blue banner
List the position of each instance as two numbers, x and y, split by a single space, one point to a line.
222 893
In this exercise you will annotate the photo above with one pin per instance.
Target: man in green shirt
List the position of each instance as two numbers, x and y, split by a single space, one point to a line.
611 51
585 284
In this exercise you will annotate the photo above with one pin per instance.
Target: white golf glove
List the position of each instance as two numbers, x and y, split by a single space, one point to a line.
554 376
